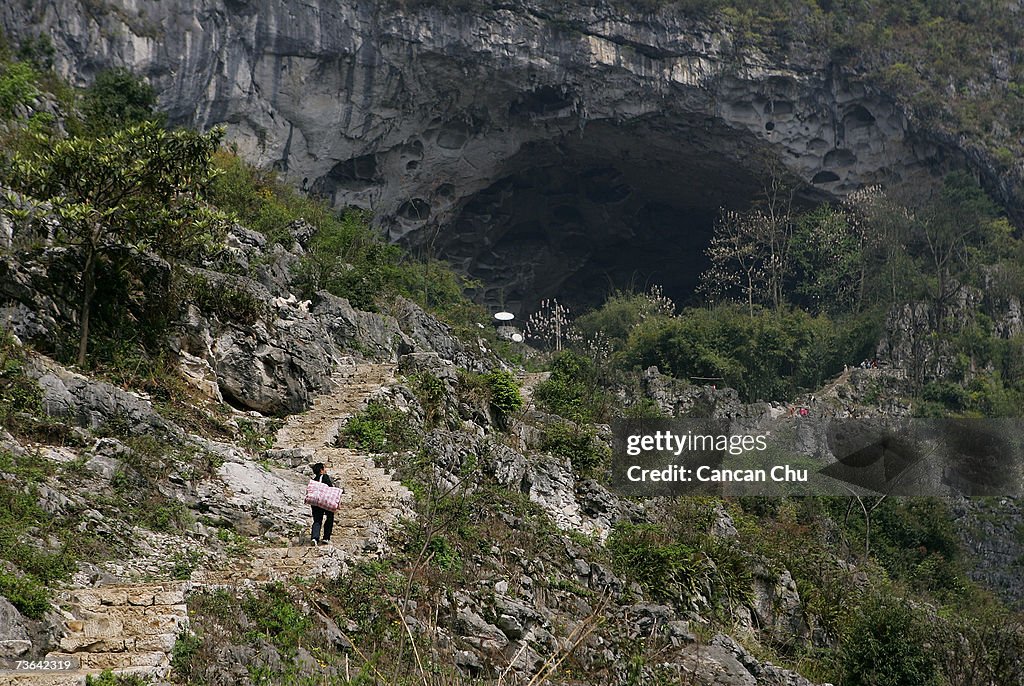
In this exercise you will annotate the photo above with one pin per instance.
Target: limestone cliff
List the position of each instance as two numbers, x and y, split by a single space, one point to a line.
544 151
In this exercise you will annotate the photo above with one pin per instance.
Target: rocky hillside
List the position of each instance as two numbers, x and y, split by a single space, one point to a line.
153 517
471 544
185 334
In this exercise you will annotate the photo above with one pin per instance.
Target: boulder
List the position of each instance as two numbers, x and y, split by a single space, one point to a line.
375 335
94 404
14 635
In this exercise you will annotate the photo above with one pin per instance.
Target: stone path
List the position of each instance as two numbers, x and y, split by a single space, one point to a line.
132 627
528 383
373 501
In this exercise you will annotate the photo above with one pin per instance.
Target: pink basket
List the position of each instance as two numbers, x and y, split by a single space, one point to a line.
323 496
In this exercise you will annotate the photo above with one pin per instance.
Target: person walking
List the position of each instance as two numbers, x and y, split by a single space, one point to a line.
319 474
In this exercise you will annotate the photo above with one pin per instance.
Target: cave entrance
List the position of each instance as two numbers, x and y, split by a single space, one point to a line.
611 207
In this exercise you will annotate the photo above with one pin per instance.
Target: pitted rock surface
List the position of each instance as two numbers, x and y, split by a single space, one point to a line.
538 146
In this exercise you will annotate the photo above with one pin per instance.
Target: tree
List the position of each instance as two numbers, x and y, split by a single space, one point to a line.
950 230
552 325
137 190
736 260
889 270
116 99
890 644
750 252
828 256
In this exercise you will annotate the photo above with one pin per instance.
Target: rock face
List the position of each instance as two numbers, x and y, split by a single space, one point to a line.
990 529
542 149
910 344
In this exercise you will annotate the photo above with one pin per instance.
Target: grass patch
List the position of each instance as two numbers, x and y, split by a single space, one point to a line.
380 429
579 444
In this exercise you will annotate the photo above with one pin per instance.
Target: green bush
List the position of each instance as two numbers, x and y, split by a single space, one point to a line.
579 444
184 654
38 51
258 200
890 644
117 99
345 256
30 597
108 678
573 390
230 303
648 555
348 260
275 616
18 86
915 540
769 356
379 429
443 554
19 394
20 512
620 314
985 395
504 393
160 515
183 563
432 394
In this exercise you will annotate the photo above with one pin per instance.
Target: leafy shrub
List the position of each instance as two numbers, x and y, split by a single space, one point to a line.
620 314
166 516
380 428
440 290
579 444
983 646
256 436
505 397
116 99
345 256
915 540
19 512
18 393
573 390
890 644
25 593
346 259
38 51
18 82
183 655
276 617
108 678
183 563
432 394
648 555
768 356
229 303
443 554
986 395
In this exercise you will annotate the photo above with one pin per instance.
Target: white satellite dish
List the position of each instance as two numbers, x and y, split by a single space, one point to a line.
517 337
504 316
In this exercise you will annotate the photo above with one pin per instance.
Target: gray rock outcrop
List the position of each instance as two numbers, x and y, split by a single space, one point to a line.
525 142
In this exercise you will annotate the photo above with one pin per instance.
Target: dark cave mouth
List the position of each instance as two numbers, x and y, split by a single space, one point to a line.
611 208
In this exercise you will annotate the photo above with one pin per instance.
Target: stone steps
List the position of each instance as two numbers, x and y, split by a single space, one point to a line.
281 564
133 628
66 678
373 500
